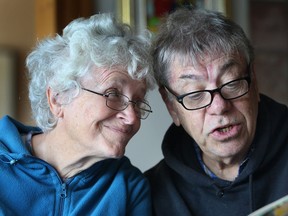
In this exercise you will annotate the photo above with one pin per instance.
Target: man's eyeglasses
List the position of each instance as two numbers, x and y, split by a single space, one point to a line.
119 102
200 99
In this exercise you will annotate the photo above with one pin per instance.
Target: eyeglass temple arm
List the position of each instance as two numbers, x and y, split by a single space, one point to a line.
101 94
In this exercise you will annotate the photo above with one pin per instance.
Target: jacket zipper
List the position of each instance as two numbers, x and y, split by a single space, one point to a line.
63 190
64 184
63 195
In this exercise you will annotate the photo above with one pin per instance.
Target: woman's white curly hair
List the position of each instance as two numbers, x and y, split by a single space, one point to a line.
59 63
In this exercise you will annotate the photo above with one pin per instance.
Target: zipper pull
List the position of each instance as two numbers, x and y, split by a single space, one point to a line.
63 190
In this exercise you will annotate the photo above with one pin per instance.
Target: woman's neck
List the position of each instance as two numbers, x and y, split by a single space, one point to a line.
59 153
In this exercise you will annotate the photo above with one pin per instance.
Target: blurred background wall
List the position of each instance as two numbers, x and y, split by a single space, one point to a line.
23 22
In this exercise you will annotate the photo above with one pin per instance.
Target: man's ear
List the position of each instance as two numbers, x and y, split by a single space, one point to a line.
53 101
170 106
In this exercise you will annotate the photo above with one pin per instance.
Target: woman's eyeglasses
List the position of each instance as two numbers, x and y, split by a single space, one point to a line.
119 102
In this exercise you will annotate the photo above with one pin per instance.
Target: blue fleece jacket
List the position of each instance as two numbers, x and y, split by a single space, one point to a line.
30 186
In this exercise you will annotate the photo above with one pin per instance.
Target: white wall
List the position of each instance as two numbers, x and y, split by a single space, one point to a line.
144 150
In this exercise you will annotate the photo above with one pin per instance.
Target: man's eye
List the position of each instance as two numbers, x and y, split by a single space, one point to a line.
232 85
196 96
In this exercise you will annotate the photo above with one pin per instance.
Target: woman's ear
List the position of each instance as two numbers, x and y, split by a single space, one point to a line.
53 101
170 105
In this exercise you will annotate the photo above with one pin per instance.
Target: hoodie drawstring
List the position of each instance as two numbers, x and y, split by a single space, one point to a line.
8 159
251 194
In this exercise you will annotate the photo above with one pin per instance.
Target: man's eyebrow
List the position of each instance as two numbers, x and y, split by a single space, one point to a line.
229 64
226 66
191 76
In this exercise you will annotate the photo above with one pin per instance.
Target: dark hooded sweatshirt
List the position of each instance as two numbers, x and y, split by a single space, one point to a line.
180 187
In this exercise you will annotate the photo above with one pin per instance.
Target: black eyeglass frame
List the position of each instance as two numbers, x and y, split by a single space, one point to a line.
179 98
106 95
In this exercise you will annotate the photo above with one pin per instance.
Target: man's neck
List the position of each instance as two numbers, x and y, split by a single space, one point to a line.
226 170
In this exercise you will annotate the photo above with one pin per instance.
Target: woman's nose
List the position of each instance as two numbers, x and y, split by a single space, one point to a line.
130 113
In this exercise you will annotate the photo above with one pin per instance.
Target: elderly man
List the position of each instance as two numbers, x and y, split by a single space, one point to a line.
226 152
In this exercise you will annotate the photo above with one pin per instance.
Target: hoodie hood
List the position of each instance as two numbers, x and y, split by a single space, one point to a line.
12 146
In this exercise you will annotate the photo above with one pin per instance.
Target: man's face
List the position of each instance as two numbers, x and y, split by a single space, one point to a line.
224 129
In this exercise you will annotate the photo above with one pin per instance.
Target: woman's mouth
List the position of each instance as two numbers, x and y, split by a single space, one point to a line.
118 129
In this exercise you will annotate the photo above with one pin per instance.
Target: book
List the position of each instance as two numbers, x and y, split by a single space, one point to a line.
276 208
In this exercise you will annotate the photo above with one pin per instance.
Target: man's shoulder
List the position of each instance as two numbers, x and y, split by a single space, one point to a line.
126 170
273 105
273 113
156 171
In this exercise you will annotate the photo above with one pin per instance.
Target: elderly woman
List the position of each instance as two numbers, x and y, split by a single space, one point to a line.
87 90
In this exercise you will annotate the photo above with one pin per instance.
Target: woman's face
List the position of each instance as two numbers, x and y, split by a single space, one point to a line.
93 128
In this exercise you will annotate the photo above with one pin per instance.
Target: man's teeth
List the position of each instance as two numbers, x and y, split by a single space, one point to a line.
226 129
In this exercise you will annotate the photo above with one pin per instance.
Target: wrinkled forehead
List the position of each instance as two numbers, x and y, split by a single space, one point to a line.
202 60
212 66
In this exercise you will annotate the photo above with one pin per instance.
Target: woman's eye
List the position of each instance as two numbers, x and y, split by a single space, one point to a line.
112 91
113 95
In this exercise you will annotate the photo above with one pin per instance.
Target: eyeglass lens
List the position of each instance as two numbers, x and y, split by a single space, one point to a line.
228 91
120 102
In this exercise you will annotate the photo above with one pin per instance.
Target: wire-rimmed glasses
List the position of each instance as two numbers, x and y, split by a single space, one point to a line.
120 102
203 98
